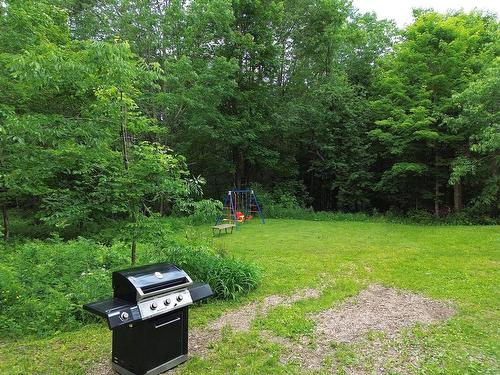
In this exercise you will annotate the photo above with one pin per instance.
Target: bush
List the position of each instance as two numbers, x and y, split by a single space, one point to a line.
291 201
228 277
199 212
281 212
289 194
206 211
420 216
43 285
471 217
416 216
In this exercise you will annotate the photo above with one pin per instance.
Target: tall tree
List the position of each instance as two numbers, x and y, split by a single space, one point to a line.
73 138
413 96
478 125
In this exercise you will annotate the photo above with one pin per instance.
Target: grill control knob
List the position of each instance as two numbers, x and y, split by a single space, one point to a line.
180 297
124 315
154 305
167 301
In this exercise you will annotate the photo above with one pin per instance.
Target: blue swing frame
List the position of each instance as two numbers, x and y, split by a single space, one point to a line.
230 204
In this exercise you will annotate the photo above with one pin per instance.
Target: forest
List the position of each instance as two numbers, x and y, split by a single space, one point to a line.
115 109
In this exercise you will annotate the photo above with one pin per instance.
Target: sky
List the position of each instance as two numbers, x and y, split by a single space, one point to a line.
400 10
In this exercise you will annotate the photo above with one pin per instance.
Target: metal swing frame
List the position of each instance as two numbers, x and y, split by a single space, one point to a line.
231 205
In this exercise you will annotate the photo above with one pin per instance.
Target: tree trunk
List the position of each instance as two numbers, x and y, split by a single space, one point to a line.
132 208
282 65
436 198
436 183
6 227
240 169
493 210
124 136
328 59
457 196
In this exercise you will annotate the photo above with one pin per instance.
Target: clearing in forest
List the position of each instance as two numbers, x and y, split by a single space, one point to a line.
341 297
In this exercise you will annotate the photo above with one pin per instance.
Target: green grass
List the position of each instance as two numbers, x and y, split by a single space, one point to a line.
444 262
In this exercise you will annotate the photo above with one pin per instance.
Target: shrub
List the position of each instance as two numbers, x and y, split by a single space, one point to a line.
199 212
291 201
420 216
43 285
289 194
281 212
228 277
205 211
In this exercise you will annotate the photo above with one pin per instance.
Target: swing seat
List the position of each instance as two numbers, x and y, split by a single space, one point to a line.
239 206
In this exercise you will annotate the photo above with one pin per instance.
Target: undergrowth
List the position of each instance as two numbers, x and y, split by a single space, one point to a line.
419 217
228 277
43 285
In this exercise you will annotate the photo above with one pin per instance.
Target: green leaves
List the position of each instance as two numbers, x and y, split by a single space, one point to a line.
400 169
416 104
308 95
62 139
27 23
478 125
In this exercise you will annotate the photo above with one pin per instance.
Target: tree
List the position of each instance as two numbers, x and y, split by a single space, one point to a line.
478 125
413 96
324 104
232 72
75 141
307 98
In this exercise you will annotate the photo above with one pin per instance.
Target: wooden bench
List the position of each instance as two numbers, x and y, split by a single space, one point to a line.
221 227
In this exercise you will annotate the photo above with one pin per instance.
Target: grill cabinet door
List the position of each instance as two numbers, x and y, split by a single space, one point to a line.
152 342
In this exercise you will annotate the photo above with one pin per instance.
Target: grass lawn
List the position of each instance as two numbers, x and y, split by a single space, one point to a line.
460 264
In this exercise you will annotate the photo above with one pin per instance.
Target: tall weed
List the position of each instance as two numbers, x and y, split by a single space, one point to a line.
43 285
228 277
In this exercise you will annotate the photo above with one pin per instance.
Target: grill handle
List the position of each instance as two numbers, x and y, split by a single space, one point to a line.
167 323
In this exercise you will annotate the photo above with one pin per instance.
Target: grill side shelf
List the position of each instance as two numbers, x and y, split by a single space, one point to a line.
200 291
116 311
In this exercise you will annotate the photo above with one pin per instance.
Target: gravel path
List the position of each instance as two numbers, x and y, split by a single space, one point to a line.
375 309
239 320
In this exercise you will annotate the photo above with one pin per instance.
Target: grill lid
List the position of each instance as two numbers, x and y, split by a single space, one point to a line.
134 284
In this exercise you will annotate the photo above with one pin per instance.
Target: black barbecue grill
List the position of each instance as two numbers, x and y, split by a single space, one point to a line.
149 317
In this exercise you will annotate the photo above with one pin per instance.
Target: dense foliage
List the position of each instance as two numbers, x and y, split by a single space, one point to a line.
44 284
420 107
110 108
228 277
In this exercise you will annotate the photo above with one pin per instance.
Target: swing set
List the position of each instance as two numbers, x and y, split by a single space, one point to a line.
239 206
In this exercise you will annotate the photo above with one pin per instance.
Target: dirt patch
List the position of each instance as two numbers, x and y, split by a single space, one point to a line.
376 309
379 309
200 339
101 368
348 328
384 356
306 352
